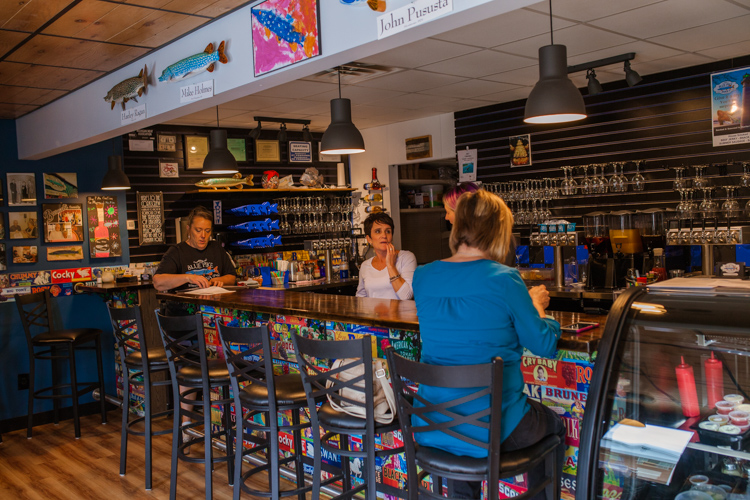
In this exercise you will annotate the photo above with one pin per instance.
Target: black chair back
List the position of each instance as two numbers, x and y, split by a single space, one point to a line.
127 327
407 375
247 351
34 310
185 344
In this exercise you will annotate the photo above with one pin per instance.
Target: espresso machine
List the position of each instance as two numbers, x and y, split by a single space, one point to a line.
601 266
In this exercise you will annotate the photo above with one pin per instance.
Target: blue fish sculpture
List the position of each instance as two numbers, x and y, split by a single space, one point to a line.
264 208
195 64
256 226
260 242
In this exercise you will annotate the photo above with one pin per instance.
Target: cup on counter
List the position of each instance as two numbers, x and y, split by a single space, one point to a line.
739 418
737 399
725 407
698 479
719 419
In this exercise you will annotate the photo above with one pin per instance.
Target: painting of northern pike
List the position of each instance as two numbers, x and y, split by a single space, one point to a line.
64 253
195 64
284 32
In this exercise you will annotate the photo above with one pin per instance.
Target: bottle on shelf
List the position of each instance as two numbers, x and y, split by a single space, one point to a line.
374 197
374 209
374 184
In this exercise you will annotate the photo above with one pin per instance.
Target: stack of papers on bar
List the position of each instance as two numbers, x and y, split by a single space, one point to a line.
211 290
701 283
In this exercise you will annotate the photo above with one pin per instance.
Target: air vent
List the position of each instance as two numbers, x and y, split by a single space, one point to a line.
353 73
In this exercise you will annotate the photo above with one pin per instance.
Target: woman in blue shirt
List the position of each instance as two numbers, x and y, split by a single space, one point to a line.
485 312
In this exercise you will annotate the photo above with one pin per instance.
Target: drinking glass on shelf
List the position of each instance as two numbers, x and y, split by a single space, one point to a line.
638 181
745 179
597 185
700 182
586 182
730 208
707 206
603 182
679 181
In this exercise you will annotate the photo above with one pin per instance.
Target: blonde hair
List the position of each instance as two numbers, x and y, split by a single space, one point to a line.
485 222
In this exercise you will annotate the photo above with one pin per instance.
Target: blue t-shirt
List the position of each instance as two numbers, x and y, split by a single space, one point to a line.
470 313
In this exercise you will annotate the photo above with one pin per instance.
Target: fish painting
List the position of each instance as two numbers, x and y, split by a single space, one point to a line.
284 28
128 89
195 64
64 253
216 183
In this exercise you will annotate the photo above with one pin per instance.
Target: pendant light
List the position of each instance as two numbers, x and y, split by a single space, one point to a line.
115 178
341 137
219 160
554 98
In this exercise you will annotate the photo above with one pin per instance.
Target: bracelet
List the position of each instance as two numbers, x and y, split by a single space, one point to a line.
394 278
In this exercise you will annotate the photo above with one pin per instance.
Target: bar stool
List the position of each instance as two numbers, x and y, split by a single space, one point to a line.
264 395
138 367
314 358
58 345
440 416
192 373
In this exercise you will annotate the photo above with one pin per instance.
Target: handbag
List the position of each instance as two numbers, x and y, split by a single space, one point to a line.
384 401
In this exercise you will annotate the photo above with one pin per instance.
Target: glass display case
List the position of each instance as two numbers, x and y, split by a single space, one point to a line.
668 411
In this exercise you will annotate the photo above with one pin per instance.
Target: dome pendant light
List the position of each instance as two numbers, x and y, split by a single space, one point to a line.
219 160
554 98
341 137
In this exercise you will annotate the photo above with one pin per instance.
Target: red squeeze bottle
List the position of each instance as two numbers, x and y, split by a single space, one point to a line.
714 380
686 386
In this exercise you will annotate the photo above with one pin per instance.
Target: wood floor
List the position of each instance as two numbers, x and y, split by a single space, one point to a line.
54 465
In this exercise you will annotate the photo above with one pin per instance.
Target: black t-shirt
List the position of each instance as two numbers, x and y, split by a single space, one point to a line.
211 262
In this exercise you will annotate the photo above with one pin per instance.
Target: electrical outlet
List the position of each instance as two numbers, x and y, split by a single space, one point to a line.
23 381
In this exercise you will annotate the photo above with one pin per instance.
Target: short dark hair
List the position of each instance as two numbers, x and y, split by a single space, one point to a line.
379 217
202 212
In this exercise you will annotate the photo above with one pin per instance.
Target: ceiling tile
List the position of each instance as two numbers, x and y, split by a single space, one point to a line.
411 81
572 9
419 53
709 35
499 30
9 39
26 95
669 16
670 63
523 76
297 89
460 105
254 102
478 64
159 28
416 101
644 51
242 118
507 96
93 16
746 3
219 7
732 50
12 111
360 95
29 15
579 39
45 77
470 89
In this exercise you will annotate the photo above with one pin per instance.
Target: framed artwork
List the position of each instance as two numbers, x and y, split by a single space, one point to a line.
2 200
418 148
60 185
3 258
166 143
196 149
104 227
74 252
238 149
2 227
168 169
22 225
520 150
267 151
284 33
62 222
25 255
21 190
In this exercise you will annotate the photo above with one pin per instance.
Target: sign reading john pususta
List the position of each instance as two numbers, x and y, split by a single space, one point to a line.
150 218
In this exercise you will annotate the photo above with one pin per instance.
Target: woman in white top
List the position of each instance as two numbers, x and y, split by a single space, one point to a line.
389 274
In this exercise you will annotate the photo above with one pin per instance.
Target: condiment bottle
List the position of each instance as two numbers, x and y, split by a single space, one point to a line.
686 386
714 380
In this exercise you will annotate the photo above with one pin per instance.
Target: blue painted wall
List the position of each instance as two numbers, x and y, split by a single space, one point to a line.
90 163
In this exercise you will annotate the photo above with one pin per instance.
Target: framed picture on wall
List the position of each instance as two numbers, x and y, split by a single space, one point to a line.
25 255
196 149
60 185
21 190
3 258
267 151
166 143
63 222
22 225
2 227
238 148
2 200
169 169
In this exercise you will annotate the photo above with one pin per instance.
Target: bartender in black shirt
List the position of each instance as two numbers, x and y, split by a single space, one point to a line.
197 261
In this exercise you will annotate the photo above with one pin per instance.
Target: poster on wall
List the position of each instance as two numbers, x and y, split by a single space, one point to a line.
284 33
74 252
21 190
467 165
24 255
60 185
3 258
23 225
520 150
150 218
2 227
104 227
62 222
730 107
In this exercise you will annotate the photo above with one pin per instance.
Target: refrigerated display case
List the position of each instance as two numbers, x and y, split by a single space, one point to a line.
668 361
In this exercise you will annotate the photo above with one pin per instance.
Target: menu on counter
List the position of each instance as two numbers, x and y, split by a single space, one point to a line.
150 218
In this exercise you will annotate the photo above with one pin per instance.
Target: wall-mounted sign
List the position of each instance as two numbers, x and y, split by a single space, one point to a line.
300 152
217 212
418 148
140 145
520 150
150 218
196 91
238 148
169 169
408 16
467 165
166 143
267 151
132 115
196 149
730 107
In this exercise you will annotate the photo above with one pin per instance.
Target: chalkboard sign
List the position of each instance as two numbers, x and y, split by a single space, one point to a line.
150 218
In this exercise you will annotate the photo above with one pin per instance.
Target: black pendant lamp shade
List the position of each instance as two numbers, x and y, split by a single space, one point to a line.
342 137
115 178
554 98
219 160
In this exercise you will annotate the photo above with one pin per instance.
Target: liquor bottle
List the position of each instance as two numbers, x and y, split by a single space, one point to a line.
374 197
101 234
374 184
374 209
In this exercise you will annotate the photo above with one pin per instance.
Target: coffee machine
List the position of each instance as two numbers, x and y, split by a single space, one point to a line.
600 269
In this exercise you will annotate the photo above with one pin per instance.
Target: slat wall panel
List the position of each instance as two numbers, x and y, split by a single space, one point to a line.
664 121
142 168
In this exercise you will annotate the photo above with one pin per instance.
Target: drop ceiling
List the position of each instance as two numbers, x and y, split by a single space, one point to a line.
489 62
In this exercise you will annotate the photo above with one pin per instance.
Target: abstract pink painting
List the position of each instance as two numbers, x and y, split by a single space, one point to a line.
284 32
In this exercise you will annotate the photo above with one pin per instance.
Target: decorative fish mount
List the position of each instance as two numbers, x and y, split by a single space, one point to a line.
128 89
256 226
195 64
264 208
227 183
260 242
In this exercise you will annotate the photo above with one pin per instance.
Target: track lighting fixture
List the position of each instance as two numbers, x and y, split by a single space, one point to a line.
255 133
631 76
306 135
594 86
282 133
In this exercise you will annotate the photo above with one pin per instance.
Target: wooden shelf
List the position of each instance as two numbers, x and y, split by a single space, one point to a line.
262 190
424 182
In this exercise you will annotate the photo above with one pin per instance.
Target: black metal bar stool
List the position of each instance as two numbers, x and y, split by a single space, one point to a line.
483 380
263 394
192 374
138 368
57 345
314 358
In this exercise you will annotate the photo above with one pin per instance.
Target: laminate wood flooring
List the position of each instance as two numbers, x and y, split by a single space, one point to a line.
53 465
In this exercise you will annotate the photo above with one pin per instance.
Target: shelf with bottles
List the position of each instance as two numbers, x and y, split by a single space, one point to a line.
374 197
300 190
